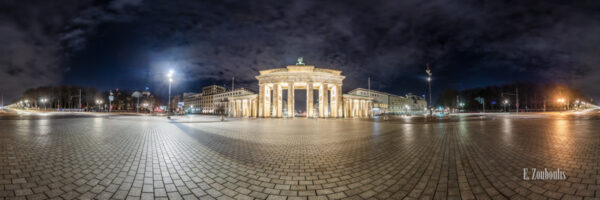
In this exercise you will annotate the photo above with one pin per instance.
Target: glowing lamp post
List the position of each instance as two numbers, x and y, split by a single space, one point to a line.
428 70
44 100
98 103
561 101
170 76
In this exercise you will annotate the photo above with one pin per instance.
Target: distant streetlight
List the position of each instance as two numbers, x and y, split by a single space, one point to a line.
44 100
428 70
505 103
98 103
561 100
170 76
145 104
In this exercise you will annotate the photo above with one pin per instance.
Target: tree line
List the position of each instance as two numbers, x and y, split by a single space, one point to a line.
87 98
532 97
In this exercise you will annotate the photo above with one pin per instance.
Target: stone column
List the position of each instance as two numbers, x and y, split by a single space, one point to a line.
244 102
336 101
253 107
261 99
364 110
279 99
290 99
344 109
234 105
349 109
248 108
344 106
274 102
333 101
326 112
229 111
321 99
237 108
369 109
240 108
309 99
267 102
340 99
256 107
359 109
354 104
233 111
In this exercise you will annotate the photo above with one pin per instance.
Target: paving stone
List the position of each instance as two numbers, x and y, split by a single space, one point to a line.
132 157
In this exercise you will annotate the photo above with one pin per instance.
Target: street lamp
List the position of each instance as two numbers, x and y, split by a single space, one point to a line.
505 102
428 70
44 100
98 102
561 100
170 76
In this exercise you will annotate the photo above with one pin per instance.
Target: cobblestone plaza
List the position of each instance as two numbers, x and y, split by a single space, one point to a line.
151 158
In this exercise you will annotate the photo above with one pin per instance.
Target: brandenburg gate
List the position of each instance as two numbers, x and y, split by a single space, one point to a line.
328 82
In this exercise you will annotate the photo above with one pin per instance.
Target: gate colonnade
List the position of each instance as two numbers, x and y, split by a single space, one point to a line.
272 82
328 83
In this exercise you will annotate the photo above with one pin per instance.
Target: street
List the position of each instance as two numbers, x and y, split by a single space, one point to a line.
112 156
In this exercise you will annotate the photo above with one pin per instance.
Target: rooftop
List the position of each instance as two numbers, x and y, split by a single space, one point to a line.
300 68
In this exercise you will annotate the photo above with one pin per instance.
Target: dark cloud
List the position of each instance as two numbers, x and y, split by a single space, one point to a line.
36 35
388 40
468 43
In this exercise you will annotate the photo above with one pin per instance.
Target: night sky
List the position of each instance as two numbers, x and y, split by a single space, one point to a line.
132 43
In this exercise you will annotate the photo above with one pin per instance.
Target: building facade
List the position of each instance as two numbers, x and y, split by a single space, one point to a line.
386 103
221 100
192 102
207 104
381 100
174 105
407 104
356 106
243 105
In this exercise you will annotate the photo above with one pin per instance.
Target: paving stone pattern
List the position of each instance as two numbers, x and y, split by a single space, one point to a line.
144 158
